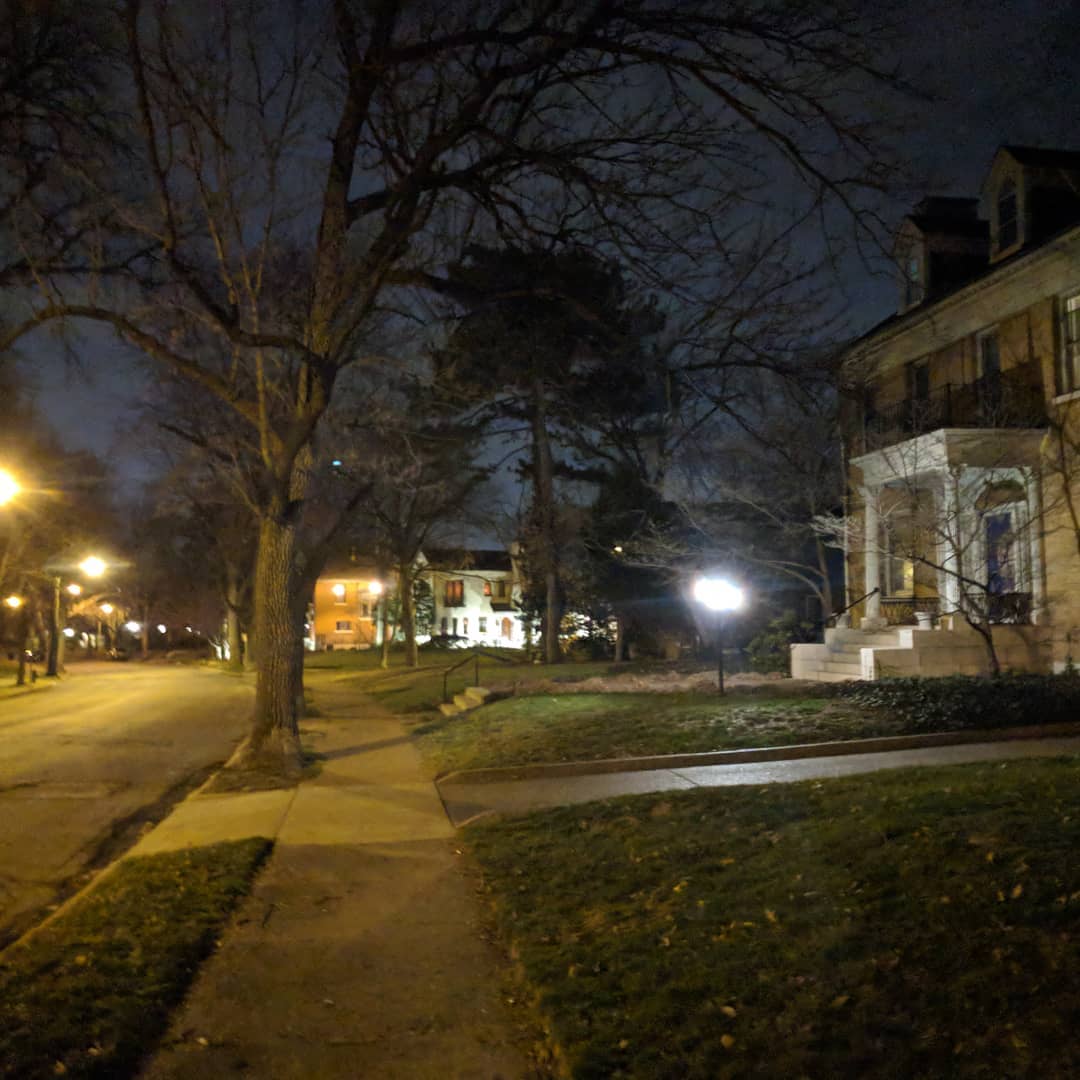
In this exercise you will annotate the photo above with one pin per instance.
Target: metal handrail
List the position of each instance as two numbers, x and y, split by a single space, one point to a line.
475 656
843 611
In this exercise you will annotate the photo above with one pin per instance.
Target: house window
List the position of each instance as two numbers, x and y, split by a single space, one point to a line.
365 611
989 354
1068 375
1001 551
918 375
501 590
454 623
483 624
455 593
443 624
913 285
465 627
487 588
343 626
1007 216
507 629
339 593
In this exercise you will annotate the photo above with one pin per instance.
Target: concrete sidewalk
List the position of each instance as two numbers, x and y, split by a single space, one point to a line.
468 799
360 952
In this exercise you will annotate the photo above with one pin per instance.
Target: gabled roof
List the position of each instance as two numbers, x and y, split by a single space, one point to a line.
476 559
1046 157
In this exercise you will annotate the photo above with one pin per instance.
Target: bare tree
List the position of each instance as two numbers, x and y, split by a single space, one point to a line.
631 126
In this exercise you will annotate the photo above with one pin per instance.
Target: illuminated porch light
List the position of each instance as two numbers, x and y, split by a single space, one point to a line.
14 602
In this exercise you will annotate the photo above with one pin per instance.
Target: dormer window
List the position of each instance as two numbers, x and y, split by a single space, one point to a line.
913 282
1008 223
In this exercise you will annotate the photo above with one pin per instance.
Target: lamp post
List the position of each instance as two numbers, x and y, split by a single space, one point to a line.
719 596
91 567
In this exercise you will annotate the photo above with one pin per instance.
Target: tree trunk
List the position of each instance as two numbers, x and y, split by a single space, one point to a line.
52 664
232 635
23 637
145 633
274 743
620 639
408 613
544 502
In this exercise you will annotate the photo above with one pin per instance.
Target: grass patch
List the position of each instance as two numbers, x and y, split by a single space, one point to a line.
89 995
918 923
585 727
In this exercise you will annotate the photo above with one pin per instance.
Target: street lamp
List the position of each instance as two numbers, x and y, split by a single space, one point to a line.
93 567
9 487
719 596
14 602
74 589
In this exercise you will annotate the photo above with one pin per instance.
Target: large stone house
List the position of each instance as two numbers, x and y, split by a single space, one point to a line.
962 439
475 594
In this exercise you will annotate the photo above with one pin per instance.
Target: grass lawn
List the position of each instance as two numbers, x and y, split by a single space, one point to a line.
920 923
575 727
89 995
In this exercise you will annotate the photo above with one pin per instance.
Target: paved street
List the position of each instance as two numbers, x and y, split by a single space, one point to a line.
82 763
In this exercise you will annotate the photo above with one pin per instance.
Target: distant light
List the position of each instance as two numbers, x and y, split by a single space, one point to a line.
75 589
106 609
9 487
14 601
188 629
161 628
92 566
133 626
718 594
336 463
375 588
68 632
338 590
617 549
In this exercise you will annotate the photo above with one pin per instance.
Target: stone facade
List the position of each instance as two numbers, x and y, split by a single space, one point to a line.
962 433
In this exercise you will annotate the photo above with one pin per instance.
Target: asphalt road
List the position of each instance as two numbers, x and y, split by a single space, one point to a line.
85 764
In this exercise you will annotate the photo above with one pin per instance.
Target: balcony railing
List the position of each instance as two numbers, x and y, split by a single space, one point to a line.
1006 400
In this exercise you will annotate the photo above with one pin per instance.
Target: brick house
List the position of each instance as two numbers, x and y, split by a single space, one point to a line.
961 438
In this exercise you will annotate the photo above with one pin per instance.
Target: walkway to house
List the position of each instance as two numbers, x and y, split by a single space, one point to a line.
468 798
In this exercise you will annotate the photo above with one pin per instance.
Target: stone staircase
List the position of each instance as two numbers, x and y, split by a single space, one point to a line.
472 697
841 658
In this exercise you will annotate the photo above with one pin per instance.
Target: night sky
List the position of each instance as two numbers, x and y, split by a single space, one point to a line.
997 72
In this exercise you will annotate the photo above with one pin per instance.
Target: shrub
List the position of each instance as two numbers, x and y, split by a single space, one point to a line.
959 702
771 649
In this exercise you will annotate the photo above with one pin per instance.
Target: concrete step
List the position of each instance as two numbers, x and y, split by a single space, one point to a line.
859 638
843 667
449 708
832 676
476 695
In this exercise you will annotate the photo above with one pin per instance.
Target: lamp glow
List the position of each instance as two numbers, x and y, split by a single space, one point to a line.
717 594
9 487
107 609
338 590
161 628
74 589
133 626
375 588
14 602
69 632
92 566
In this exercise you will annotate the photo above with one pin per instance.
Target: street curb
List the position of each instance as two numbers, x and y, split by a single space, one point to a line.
795 752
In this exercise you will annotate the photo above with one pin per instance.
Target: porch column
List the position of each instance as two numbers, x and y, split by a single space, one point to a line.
1035 525
949 542
872 620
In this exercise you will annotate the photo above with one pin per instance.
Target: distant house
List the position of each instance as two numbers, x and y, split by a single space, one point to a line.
346 606
962 493
475 592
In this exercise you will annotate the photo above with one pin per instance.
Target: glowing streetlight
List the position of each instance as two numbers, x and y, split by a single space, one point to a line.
338 590
68 632
14 602
133 626
74 589
375 588
93 567
161 628
9 487
719 596
106 609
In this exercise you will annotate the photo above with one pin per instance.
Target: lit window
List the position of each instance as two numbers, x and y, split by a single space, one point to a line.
465 626
1008 219
455 593
339 593
1068 373
343 626
487 588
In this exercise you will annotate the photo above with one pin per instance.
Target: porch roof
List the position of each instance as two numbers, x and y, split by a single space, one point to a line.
937 452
